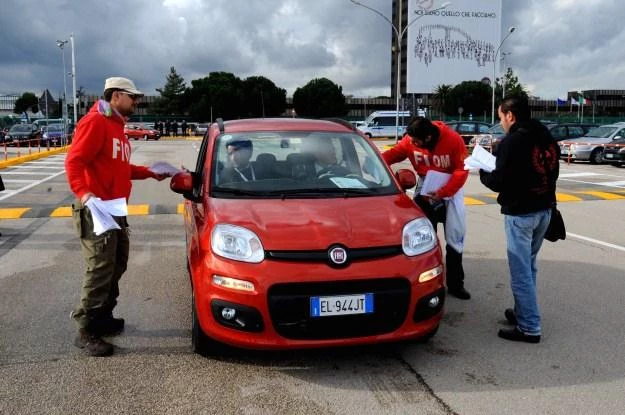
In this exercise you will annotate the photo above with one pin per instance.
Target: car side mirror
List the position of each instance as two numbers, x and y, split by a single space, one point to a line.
617 137
406 178
183 183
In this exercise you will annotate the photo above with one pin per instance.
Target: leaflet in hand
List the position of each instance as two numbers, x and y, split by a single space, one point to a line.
164 168
480 159
102 212
433 181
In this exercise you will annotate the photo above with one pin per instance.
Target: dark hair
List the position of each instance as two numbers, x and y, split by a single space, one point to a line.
421 128
518 106
108 94
239 143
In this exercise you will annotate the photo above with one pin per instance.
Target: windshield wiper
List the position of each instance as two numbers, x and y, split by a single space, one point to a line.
320 191
238 192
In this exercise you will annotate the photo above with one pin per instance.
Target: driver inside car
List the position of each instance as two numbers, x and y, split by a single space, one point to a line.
326 163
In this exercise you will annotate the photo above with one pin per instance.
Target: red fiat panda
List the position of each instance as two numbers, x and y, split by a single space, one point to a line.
313 244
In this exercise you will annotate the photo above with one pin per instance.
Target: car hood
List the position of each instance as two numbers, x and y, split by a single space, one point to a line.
310 224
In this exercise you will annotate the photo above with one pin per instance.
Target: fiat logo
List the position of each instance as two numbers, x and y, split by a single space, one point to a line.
338 255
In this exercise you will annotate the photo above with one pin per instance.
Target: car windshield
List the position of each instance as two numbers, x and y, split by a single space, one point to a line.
603 132
297 164
21 128
496 129
53 128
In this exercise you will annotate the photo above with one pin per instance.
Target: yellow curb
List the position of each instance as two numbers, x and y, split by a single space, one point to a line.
33 156
181 208
135 210
62 212
12 213
469 201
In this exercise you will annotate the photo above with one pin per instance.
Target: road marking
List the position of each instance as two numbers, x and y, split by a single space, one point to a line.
613 184
12 213
604 195
38 167
138 209
30 186
596 241
61 212
565 197
469 201
567 175
17 181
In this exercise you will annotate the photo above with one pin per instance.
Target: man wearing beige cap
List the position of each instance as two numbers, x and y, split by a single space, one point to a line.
98 166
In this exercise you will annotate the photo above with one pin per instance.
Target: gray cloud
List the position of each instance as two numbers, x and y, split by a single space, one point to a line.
558 46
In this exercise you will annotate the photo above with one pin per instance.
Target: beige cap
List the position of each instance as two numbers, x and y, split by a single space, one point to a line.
124 84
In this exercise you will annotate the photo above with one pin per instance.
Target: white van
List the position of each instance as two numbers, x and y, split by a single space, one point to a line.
383 123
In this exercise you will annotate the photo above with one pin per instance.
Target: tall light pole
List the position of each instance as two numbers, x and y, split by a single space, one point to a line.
399 35
492 117
71 38
503 78
60 44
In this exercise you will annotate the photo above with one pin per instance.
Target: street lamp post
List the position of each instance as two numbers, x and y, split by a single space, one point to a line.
399 34
71 38
492 117
61 44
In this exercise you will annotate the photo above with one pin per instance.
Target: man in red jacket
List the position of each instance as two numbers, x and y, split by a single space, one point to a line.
434 146
98 165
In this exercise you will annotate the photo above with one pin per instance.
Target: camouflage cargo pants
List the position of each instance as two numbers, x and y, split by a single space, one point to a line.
106 259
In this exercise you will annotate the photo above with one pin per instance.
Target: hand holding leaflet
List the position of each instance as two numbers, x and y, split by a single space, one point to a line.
164 168
102 212
433 181
480 159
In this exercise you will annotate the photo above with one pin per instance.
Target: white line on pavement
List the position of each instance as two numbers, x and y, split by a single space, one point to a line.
31 185
26 173
596 241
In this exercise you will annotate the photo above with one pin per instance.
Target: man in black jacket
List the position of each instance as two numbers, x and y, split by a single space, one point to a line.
525 175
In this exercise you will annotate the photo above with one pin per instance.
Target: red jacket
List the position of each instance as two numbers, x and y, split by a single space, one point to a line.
447 157
98 160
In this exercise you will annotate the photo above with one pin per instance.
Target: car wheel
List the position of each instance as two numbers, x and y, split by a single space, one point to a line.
595 156
426 338
200 342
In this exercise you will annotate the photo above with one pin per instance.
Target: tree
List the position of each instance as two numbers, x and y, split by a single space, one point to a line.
262 98
320 98
28 101
220 94
172 100
441 92
473 96
513 87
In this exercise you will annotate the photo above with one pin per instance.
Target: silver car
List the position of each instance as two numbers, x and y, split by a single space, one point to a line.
590 146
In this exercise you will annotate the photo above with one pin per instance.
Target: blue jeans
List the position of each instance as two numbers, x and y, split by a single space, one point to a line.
524 234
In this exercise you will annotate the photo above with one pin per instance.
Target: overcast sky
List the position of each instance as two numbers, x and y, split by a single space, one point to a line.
558 45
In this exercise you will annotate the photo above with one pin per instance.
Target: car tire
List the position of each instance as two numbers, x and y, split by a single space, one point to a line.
596 156
200 342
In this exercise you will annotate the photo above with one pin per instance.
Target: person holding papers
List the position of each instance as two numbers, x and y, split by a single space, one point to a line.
99 171
525 175
434 148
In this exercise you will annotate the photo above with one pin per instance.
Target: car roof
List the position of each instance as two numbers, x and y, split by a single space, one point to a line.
282 124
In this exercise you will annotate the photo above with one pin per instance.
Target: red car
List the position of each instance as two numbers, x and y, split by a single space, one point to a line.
311 245
139 132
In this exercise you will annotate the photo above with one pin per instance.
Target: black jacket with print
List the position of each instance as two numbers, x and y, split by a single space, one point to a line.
526 171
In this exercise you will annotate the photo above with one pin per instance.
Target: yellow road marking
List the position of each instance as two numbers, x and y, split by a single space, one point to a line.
604 195
469 201
138 210
181 208
12 213
61 212
566 197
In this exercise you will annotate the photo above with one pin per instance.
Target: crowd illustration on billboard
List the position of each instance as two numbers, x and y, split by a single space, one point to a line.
429 47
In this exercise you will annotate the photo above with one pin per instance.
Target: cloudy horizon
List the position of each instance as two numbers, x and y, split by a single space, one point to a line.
554 49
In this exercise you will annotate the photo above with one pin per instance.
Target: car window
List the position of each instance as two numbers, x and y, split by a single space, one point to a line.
619 134
575 131
466 128
496 129
558 132
314 164
482 128
603 132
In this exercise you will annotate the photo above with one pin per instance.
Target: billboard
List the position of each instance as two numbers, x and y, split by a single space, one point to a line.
451 45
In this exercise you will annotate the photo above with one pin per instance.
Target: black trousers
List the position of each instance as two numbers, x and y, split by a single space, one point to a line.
453 258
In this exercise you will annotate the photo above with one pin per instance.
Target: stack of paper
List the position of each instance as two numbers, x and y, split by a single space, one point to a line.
164 168
102 212
480 159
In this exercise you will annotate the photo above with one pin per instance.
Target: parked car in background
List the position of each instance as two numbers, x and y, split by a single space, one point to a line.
566 131
469 129
201 128
296 253
140 132
590 146
614 152
22 134
53 135
490 138
384 123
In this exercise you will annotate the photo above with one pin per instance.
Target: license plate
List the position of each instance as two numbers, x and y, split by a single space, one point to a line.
609 156
341 305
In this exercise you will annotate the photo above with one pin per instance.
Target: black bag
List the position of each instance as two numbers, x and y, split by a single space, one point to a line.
556 229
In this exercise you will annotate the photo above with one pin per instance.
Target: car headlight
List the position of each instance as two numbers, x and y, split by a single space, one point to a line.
235 242
418 236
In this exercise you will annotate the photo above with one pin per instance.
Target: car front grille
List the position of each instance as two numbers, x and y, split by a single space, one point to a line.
289 309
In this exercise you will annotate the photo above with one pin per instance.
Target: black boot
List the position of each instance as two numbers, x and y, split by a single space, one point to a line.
92 344
455 274
107 326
